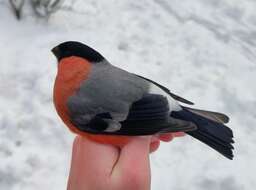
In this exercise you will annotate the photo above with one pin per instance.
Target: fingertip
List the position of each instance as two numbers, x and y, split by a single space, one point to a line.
166 137
170 136
179 134
154 146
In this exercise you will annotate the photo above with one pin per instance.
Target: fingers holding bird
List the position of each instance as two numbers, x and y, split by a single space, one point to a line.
155 140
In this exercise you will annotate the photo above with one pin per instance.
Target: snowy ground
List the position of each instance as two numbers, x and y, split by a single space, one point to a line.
202 50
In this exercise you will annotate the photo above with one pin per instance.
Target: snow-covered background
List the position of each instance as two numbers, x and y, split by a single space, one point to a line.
202 50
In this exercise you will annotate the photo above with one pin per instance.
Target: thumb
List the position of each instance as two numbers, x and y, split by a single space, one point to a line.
89 158
133 165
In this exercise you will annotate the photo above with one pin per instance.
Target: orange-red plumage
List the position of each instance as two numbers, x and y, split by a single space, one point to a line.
72 71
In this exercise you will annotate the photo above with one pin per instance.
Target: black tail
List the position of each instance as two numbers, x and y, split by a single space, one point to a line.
210 129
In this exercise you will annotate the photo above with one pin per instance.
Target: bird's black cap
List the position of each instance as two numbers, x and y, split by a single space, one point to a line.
73 48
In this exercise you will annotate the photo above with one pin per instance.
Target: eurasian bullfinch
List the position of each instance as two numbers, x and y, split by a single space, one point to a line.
107 104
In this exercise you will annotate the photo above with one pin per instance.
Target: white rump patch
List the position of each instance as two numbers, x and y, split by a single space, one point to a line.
173 104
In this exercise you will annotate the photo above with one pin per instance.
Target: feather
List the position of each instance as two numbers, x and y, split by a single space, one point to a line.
215 116
147 116
211 132
176 97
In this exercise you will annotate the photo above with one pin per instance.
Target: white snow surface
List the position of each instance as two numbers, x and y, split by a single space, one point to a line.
202 50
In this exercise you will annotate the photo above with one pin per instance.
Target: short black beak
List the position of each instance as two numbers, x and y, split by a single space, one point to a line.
56 52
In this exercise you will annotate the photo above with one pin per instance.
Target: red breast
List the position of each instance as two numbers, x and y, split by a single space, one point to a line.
72 71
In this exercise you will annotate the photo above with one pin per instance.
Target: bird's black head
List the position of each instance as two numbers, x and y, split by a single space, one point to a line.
72 48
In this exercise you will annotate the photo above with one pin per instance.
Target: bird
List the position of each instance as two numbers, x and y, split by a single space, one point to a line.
107 104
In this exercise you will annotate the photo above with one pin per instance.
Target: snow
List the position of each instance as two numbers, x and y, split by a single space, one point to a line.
202 50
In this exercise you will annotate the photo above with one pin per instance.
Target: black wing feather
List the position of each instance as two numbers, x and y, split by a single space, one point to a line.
214 134
149 115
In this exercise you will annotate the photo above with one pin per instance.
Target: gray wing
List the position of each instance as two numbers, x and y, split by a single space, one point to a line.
108 89
147 116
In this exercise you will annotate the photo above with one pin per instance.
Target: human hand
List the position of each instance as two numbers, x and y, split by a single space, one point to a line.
97 166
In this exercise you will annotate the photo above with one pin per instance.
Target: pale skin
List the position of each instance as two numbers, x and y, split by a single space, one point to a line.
97 166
